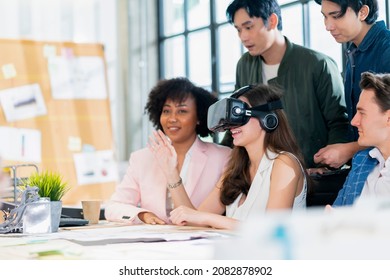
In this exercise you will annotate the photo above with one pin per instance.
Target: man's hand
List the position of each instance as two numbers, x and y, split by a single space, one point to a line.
336 155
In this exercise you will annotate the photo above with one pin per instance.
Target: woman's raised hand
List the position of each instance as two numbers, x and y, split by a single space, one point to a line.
164 152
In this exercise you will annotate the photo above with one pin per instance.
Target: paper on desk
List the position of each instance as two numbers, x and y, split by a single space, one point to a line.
31 248
135 233
194 243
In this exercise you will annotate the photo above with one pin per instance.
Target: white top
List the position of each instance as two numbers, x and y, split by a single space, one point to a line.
257 198
269 72
378 182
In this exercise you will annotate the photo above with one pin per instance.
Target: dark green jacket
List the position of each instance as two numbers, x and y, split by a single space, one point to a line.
313 96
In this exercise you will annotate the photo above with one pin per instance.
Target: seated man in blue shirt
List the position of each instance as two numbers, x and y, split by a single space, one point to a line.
370 173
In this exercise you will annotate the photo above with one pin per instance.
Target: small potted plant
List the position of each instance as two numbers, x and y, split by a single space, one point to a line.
50 185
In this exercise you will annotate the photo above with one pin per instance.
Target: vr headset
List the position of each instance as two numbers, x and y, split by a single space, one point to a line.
232 112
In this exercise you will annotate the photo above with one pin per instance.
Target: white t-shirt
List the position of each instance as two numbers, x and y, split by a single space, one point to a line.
269 72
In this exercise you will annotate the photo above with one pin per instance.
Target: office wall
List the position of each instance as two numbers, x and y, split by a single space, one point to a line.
55 113
87 21
128 31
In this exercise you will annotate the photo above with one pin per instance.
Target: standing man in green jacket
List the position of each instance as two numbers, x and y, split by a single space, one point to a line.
313 88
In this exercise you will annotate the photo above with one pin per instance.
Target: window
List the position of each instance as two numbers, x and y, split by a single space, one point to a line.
174 57
227 56
321 40
193 43
292 19
199 54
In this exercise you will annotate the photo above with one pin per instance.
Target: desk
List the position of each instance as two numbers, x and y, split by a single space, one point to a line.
349 233
115 242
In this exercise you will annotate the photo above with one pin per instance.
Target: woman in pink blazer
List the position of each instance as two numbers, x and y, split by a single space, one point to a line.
179 109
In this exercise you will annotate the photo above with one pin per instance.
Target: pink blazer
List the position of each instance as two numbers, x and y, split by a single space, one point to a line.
143 188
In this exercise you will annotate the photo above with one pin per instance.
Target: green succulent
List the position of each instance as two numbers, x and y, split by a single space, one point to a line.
50 184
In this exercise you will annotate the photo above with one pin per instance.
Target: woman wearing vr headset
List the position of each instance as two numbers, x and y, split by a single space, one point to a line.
179 108
264 173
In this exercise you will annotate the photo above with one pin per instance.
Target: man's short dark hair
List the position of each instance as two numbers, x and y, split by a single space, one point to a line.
356 5
380 84
255 8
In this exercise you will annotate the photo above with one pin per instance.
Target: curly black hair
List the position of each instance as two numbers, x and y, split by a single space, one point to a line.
178 89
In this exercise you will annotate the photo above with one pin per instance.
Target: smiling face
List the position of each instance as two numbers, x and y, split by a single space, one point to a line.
179 120
249 133
254 35
350 27
373 125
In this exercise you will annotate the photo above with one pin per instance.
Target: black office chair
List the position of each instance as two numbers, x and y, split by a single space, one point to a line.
325 187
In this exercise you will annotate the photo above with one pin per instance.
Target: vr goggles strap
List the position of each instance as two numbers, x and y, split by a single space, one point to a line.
267 107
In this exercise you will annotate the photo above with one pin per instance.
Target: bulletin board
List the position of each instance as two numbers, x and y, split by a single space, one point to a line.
55 113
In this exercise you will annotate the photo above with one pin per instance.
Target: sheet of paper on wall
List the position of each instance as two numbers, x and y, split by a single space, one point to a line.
22 102
80 77
49 50
95 167
9 71
74 144
20 144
